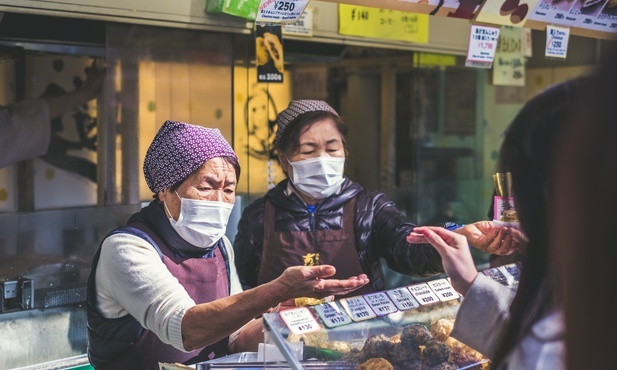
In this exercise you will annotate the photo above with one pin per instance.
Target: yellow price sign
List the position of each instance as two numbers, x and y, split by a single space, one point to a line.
383 24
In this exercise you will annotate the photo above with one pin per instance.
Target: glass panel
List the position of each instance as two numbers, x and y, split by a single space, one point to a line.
161 74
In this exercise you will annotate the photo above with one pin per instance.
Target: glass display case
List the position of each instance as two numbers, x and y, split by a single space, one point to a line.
403 328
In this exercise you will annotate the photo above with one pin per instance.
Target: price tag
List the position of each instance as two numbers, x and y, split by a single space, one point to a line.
482 46
300 320
280 11
302 27
357 308
556 42
423 294
403 299
443 289
380 303
332 315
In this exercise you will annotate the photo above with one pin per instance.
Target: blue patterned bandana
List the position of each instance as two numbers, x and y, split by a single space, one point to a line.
178 150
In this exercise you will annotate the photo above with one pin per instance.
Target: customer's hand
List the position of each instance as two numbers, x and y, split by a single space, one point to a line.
488 238
311 281
454 252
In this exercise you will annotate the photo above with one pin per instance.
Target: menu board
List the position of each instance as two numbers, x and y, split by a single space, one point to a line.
597 15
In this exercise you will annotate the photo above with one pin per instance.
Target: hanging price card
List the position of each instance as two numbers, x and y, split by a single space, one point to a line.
482 46
423 294
332 315
557 42
300 320
403 299
280 11
443 289
357 308
380 303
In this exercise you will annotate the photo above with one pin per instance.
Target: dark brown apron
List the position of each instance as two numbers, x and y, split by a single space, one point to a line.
310 248
205 280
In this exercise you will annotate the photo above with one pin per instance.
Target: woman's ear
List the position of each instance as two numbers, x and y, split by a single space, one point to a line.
284 163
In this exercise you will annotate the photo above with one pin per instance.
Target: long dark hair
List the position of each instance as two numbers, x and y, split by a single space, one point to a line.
528 153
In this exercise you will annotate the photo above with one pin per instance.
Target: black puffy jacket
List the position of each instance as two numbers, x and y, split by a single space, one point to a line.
380 231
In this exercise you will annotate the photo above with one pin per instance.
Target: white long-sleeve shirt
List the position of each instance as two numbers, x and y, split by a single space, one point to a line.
132 279
25 131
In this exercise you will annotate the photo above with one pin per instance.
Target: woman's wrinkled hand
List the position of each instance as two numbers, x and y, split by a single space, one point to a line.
313 282
454 251
489 238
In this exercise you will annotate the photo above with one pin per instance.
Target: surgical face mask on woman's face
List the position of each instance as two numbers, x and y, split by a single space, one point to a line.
201 222
318 177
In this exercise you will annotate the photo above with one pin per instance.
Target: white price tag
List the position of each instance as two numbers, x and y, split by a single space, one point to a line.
357 308
303 26
443 289
280 11
403 299
423 294
300 320
482 46
380 303
556 42
332 314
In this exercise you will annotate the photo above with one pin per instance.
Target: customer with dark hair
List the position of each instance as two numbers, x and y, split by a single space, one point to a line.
319 216
583 226
522 329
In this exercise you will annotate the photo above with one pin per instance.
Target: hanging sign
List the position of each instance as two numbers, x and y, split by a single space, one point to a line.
280 11
509 66
383 24
303 26
269 53
556 42
506 12
482 46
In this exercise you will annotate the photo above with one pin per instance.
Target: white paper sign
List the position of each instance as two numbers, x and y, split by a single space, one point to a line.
482 46
556 42
403 299
443 289
303 26
332 315
357 308
423 294
380 303
280 11
300 320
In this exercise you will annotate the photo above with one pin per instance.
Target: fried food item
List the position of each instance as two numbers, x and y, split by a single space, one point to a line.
415 335
261 52
378 363
436 352
275 49
441 329
314 339
377 346
461 354
338 345
308 301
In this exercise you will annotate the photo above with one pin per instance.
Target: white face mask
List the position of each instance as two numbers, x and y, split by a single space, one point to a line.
201 222
318 177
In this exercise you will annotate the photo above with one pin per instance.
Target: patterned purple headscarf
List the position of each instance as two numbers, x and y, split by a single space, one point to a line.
178 149
296 108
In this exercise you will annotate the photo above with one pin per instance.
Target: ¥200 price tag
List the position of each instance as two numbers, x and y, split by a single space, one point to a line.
357 308
443 290
423 294
380 303
300 320
332 315
403 299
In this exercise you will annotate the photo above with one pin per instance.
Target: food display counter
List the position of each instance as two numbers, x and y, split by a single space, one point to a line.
402 328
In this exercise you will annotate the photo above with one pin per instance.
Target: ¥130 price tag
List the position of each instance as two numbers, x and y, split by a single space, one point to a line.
357 308
443 289
332 315
403 299
423 294
380 303
300 320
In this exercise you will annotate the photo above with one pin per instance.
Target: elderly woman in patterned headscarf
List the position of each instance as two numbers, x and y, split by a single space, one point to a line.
164 288
319 216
